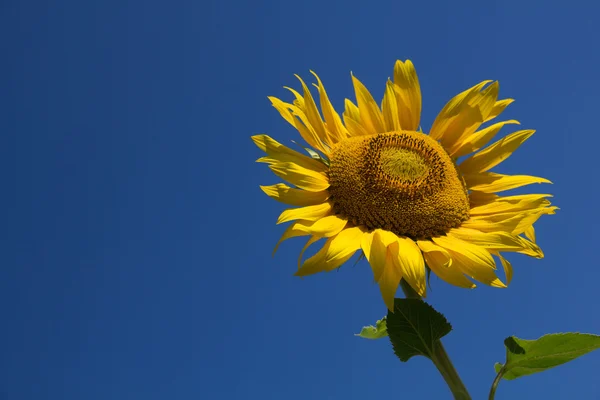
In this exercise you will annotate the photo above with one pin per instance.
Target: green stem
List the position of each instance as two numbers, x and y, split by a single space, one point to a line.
440 357
496 382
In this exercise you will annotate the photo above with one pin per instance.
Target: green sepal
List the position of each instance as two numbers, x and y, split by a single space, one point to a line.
313 154
428 272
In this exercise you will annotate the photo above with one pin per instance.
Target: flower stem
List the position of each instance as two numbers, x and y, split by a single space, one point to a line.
496 382
440 357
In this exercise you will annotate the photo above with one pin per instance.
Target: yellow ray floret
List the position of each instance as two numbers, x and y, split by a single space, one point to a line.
295 197
408 95
336 251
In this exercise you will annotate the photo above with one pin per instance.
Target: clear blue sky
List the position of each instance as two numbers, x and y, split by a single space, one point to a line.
136 243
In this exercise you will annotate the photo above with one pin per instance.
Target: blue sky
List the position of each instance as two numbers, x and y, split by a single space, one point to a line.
136 243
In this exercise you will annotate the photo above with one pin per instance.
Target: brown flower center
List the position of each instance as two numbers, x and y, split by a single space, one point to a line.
403 182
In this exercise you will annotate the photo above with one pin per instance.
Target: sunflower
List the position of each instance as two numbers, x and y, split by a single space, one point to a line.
372 181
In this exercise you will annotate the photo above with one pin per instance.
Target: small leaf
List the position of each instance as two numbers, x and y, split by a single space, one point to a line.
360 257
526 357
414 328
374 332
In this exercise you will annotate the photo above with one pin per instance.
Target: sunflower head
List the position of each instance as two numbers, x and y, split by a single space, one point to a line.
373 183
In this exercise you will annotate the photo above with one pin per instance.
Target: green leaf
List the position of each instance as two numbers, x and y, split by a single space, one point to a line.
414 328
526 357
374 332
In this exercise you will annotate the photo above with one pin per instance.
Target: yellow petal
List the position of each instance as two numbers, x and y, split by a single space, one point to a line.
295 115
408 94
498 241
440 262
508 270
299 102
531 249
490 182
374 244
370 114
488 98
354 127
494 154
277 153
512 223
284 110
478 198
530 233
456 116
498 108
307 131
312 113
511 204
308 213
327 226
333 120
390 277
480 106
474 261
513 199
366 243
389 107
351 110
293 230
352 120
304 178
408 257
336 251
375 251
427 246
310 241
295 197
478 139
503 216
